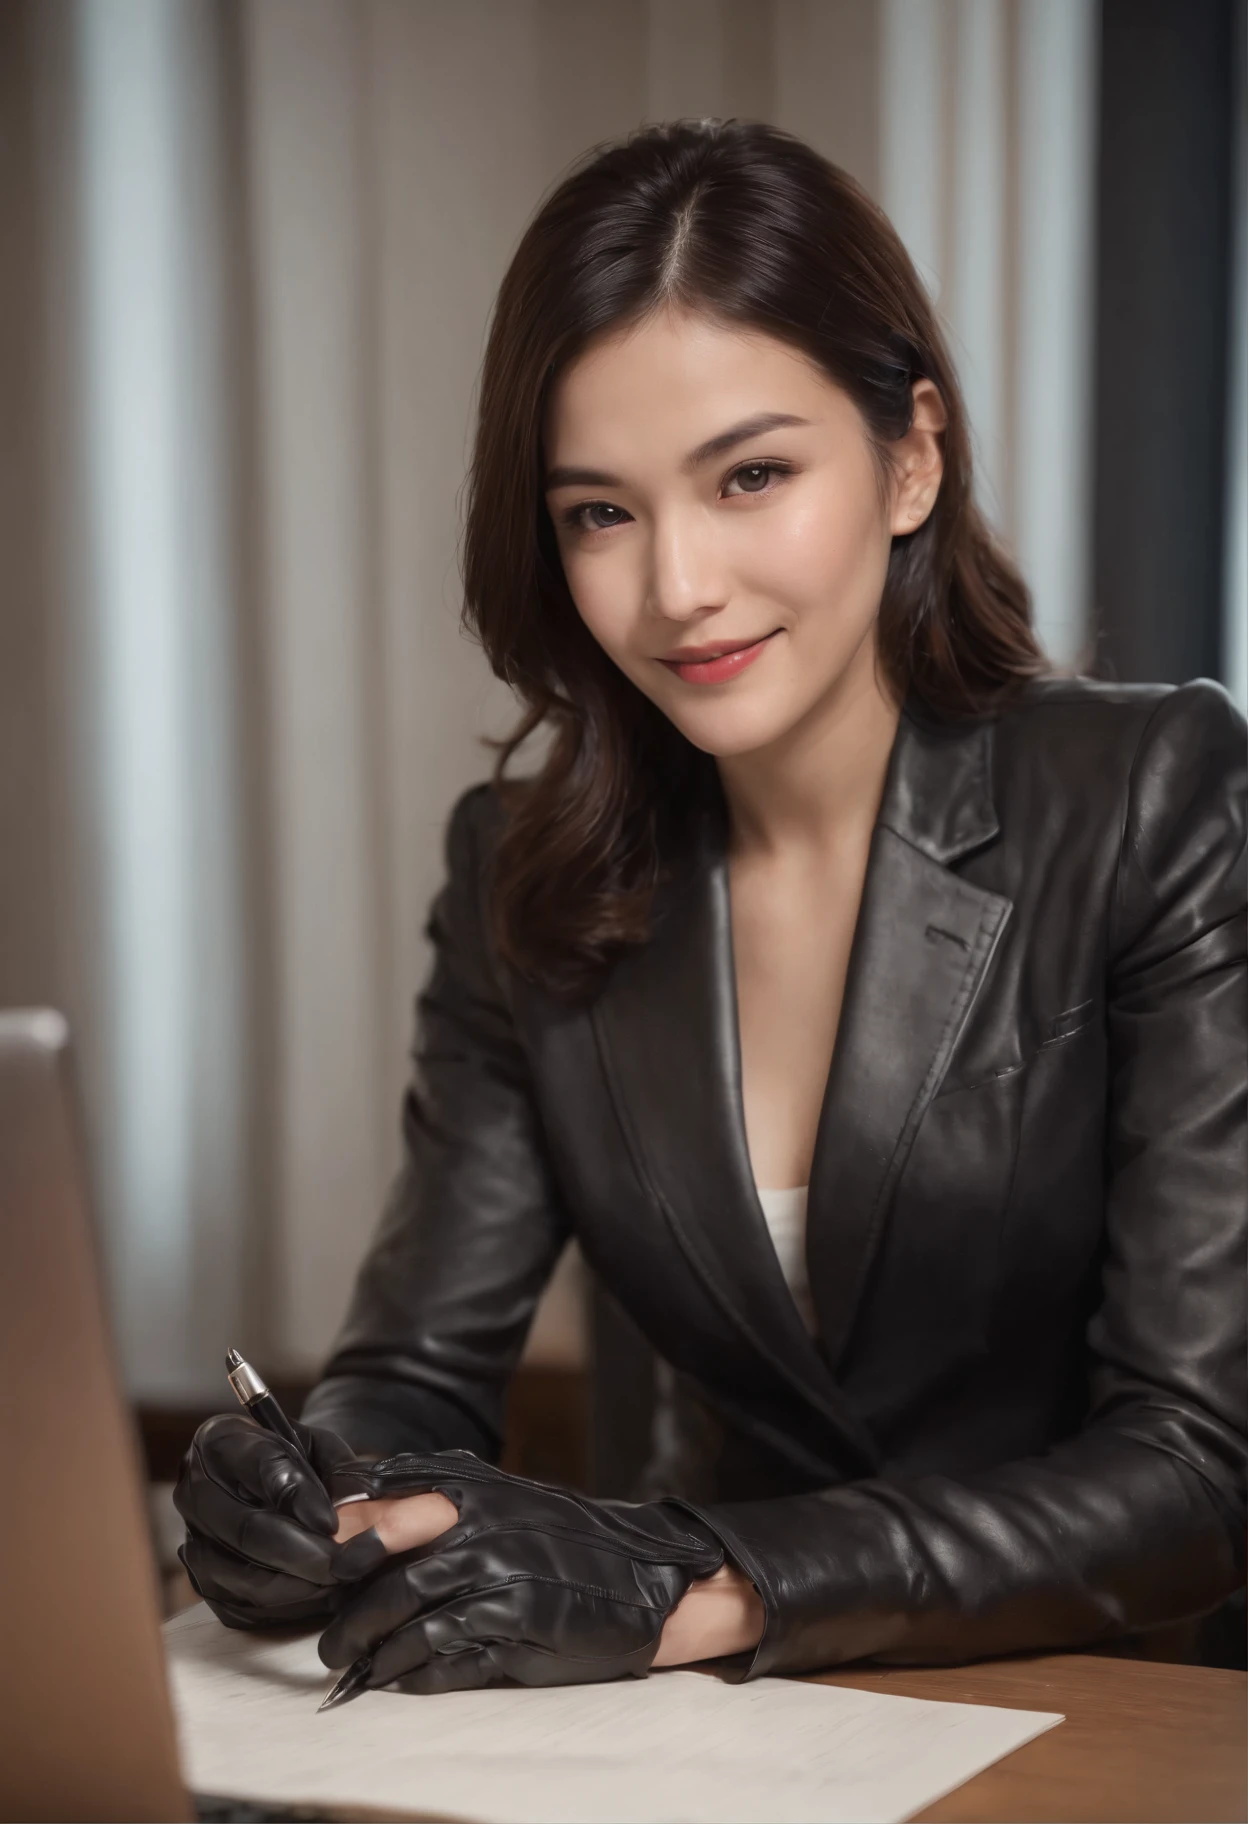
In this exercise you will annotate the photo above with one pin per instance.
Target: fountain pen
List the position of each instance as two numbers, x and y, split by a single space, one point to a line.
264 1409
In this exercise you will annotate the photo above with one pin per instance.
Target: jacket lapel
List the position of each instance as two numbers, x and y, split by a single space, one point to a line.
666 1025
922 945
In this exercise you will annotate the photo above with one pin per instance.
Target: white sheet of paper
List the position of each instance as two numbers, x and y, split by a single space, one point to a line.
677 1746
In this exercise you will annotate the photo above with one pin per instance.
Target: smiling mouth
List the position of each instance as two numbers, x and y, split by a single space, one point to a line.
716 664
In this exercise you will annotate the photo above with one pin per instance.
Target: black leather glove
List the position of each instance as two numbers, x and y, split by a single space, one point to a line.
260 1528
532 1583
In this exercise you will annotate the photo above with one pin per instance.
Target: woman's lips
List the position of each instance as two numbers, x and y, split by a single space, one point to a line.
718 666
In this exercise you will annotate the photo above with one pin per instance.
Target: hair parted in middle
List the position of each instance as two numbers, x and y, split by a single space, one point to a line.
749 226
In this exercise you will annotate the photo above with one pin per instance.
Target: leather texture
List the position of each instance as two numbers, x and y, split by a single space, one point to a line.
532 1583
1021 1423
260 1523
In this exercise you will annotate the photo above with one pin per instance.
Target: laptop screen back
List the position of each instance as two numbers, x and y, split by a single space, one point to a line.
84 1709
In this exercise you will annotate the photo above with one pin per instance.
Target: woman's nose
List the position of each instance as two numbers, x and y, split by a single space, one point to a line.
686 577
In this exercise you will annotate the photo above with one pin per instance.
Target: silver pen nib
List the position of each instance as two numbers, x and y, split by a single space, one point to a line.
353 1681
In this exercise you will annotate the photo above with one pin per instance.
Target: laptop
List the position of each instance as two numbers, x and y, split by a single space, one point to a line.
85 1716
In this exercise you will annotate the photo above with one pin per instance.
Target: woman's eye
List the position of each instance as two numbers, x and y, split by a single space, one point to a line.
754 477
595 516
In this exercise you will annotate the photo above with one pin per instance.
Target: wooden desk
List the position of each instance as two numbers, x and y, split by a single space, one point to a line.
1141 1741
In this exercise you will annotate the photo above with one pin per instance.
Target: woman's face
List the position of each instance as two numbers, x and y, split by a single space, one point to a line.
724 524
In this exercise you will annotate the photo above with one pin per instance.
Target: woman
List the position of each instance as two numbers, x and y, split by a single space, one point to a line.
869 1005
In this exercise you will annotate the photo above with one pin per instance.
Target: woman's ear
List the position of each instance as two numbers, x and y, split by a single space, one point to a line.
918 461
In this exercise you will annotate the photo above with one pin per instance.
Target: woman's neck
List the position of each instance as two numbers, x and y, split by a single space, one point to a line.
823 780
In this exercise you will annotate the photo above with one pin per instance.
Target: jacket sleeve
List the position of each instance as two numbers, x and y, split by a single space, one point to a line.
472 1226
1138 1519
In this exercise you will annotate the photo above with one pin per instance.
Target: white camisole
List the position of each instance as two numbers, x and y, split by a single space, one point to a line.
785 1213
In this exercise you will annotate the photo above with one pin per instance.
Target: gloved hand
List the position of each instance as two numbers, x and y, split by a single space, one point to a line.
532 1583
260 1528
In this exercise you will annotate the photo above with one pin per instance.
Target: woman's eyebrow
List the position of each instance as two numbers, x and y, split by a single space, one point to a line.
757 426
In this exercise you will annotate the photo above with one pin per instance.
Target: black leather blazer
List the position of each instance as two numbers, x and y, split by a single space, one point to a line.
1022 1424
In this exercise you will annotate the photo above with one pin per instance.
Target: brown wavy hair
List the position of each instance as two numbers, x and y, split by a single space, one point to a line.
749 225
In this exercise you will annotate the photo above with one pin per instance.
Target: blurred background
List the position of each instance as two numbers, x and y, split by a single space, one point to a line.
250 249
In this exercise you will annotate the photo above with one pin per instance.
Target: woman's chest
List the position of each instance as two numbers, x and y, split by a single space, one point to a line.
906 1080
792 933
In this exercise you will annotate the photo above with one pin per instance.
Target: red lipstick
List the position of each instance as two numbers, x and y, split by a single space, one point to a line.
714 664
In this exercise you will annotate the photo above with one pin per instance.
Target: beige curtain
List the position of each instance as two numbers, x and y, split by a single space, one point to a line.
264 238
